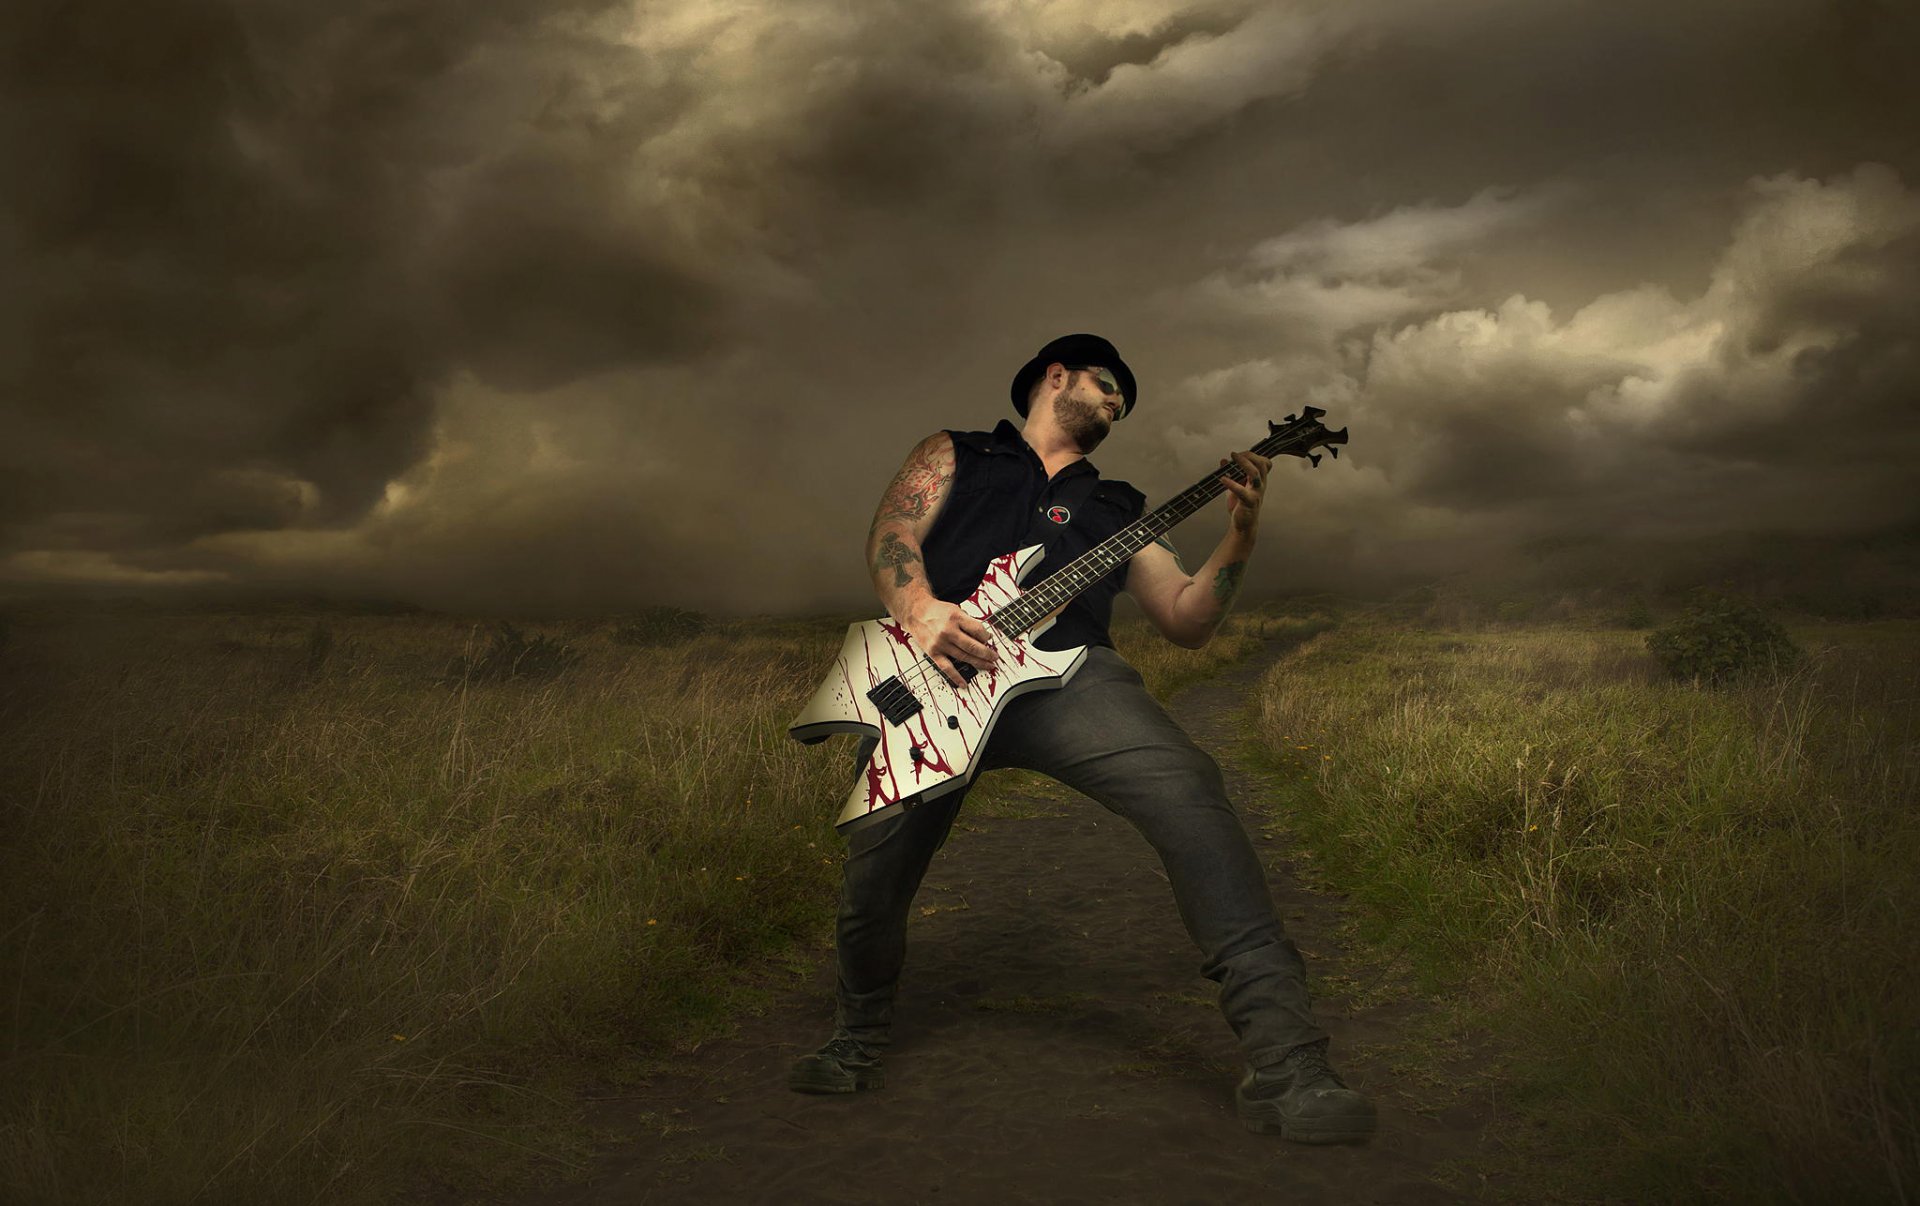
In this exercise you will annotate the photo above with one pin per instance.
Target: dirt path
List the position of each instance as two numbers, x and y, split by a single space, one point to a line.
1054 1042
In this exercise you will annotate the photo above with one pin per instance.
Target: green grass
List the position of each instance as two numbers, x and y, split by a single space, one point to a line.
291 918
289 914
277 931
1691 917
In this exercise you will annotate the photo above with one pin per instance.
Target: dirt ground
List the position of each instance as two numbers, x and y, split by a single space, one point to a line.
1054 1042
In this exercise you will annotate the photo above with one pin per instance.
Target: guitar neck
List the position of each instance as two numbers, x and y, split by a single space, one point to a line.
1061 588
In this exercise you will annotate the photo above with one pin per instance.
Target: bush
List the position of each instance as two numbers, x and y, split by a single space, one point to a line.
1719 639
660 626
1635 614
514 655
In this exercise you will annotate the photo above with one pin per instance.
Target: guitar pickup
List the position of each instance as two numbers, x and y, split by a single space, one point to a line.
895 702
966 669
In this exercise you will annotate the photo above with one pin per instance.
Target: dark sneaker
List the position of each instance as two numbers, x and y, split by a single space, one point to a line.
1302 1099
842 1066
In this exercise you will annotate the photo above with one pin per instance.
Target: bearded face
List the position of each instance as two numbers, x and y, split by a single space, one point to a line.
1083 413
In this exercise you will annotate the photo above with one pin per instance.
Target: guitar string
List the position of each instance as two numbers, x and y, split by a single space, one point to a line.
1190 500
1204 491
926 674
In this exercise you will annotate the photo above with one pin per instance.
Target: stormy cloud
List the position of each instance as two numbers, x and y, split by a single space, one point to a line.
576 307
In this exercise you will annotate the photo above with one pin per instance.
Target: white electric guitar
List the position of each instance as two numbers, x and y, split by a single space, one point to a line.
930 731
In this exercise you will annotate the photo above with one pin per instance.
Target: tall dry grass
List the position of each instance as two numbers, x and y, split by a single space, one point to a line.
286 926
289 913
1166 667
1693 915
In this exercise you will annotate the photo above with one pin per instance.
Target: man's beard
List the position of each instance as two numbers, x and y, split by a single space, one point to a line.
1084 421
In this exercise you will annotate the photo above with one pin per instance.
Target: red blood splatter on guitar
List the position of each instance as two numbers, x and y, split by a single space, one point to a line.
930 756
968 705
875 791
846 676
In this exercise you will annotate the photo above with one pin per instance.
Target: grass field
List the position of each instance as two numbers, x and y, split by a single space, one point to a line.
299 908
1691 916
305 908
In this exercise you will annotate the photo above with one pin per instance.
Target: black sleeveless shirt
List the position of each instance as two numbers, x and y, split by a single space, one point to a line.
1002 500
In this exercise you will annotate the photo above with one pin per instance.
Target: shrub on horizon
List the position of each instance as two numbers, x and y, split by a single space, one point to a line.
1719 639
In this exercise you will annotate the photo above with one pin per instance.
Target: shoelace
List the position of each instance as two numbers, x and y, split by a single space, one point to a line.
1309 1064
844 1048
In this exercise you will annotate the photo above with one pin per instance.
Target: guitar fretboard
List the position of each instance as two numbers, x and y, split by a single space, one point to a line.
1060 589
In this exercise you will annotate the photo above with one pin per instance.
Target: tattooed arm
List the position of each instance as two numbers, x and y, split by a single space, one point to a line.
1187 608
903 519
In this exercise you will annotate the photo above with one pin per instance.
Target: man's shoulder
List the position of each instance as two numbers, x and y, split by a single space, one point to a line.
1004 437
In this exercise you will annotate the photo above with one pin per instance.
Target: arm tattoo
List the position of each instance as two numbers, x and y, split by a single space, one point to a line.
921 483
1226 583
894 552
1166 544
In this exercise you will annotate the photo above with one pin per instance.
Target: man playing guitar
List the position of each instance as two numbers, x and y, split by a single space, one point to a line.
964 498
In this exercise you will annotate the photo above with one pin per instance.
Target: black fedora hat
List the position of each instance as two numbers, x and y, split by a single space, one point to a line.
1075 349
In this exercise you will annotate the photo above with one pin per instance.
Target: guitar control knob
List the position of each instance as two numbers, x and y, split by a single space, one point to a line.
916 755
953 722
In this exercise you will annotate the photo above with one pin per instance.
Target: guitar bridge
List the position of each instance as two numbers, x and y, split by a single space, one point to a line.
895 702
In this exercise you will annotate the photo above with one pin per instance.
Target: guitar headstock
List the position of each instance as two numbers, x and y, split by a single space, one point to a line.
1300 435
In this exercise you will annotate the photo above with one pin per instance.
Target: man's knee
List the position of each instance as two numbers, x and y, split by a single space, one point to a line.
1191 776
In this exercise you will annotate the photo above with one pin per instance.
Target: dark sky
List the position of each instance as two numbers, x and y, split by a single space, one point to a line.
502 304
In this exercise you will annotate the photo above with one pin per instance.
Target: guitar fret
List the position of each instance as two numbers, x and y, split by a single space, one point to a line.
1110 554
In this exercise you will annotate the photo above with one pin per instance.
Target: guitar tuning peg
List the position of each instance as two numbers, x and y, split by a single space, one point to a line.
1335 450
1290 418
1273 428
1315 458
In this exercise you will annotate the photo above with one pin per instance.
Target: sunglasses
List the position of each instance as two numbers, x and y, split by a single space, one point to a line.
1102 377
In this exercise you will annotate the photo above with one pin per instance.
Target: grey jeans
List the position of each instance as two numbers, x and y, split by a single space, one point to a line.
1102 734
